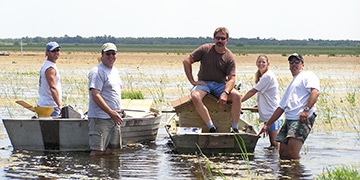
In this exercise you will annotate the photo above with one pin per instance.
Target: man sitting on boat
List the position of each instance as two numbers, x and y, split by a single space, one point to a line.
216 76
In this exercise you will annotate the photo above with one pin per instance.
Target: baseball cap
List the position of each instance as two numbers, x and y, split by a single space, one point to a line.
297 56
108 47
52 45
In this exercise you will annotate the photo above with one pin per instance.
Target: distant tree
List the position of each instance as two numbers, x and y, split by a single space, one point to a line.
239 44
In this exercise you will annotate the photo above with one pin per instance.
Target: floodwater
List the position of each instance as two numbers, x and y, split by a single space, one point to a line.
323 149
158 161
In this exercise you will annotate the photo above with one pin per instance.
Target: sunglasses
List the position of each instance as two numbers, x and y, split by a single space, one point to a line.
108 54
218 38
296 61
55 50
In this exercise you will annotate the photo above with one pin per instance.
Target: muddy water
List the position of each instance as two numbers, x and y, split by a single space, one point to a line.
158 161
323 149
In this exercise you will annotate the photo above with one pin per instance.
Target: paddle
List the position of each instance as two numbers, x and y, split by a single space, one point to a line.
26 105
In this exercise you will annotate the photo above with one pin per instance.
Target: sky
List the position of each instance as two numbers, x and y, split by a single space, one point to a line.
279 19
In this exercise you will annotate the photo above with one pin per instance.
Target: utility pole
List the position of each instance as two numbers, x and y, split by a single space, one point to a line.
21 47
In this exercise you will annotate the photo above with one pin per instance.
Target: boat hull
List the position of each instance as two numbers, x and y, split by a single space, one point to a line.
212 143
72 134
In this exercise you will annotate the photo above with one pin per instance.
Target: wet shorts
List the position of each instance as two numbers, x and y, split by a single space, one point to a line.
275 126
103 134
295 129
213 88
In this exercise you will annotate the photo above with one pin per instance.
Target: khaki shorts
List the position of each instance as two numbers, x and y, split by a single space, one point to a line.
295 129
103 134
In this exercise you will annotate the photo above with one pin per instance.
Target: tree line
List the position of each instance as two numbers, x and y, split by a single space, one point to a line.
179 41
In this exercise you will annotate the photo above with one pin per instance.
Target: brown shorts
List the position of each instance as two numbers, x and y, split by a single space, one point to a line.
103 134
295 129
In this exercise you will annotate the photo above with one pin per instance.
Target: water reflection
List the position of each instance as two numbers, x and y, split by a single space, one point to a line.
158 161
293 170
34 165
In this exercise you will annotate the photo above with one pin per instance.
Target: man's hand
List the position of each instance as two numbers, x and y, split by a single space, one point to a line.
223 99
115 116
264 130
304 116
198 83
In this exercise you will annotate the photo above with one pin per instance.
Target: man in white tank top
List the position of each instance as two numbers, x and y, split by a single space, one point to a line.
50 93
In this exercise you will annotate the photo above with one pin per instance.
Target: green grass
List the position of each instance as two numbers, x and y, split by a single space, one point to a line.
344 172
244 155
132 95
184 49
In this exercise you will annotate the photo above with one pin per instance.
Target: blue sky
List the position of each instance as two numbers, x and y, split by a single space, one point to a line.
279 19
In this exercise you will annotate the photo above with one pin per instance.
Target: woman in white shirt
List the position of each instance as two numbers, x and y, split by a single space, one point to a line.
268 98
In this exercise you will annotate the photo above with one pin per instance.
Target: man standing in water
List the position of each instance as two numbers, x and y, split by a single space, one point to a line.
299 105
104 104
50 93
216 76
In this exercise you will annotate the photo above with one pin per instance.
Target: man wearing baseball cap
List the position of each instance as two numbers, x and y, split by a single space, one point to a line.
299 105
104 104
50 93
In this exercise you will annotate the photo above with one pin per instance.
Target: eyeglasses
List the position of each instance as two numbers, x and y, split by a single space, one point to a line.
108 54
296 61
218 38
55 50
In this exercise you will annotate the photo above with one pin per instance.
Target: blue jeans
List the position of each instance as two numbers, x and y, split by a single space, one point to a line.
56 112
211 87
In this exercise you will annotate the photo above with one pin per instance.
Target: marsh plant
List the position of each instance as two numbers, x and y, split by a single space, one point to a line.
132 95
342 172
205 160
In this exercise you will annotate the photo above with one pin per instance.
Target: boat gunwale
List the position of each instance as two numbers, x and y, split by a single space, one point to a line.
76 119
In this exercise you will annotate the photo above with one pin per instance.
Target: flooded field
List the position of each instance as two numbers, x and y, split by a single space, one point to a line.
335 140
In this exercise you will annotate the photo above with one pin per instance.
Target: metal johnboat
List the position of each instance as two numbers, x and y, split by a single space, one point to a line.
71 134
189 133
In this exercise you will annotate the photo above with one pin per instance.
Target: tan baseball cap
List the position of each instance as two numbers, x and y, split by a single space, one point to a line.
109 47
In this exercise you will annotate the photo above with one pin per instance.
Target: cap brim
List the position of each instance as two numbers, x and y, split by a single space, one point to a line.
293 56
54 48
110 49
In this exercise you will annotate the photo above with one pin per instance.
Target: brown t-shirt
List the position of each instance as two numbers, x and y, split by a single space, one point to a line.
214 66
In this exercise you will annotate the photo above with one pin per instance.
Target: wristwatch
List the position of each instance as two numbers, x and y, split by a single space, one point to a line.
306 109
227 92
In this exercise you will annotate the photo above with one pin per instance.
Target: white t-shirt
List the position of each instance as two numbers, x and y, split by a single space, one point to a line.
45 97
108 81
297 94
268 97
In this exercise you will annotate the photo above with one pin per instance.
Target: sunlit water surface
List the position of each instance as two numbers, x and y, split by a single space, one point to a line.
323 148
158 161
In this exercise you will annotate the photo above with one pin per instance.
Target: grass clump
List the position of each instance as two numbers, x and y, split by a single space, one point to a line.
344 172
132 95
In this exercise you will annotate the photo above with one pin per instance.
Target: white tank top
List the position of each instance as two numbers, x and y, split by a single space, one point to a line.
46 98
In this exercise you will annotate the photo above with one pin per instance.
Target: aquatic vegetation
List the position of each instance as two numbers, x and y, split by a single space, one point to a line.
160 76
132 95
244 156
343 172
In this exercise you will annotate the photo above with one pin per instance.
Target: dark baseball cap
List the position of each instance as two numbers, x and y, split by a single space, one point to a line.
297 56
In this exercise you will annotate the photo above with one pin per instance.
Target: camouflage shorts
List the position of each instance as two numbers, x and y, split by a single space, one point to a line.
295 129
